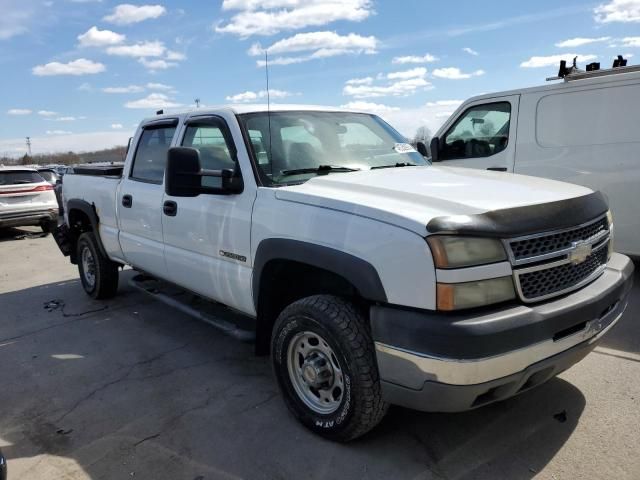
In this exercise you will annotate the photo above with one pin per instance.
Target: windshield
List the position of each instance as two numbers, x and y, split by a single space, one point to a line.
305 144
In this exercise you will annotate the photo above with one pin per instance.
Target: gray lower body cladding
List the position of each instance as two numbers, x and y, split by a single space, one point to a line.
26 219
435 362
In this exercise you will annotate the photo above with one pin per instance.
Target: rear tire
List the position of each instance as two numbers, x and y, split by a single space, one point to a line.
323 357
98 274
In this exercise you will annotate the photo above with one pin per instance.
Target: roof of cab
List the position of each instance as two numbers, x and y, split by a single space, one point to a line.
16 168
250 108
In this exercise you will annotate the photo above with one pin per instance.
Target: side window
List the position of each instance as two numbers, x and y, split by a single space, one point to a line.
214 150
481 131
151 154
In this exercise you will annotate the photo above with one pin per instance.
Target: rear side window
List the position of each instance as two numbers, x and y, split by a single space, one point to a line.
19 177
590 117
151 154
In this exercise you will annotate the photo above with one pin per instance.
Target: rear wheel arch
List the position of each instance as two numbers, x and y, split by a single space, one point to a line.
287 270
83 218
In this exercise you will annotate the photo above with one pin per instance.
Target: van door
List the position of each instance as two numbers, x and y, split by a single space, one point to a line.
140 199
208 237
483 135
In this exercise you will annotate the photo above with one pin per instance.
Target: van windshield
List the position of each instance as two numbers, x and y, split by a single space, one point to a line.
292 147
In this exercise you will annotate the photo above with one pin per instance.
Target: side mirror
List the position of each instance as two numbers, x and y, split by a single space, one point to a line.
183 175
435 149
422 149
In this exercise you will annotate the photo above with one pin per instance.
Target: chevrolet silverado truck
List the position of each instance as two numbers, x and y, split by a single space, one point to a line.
370 276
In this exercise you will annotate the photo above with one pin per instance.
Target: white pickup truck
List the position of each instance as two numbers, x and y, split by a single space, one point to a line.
372 277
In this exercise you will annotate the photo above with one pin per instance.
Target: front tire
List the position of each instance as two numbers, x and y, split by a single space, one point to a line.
98 274
324 360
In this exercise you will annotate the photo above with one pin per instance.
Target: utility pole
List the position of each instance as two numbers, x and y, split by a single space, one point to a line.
29 145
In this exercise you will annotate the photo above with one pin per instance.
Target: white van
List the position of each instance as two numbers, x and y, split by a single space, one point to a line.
583 130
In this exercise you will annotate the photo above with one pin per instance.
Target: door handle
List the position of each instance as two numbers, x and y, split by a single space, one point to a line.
497 169
170 208
127 201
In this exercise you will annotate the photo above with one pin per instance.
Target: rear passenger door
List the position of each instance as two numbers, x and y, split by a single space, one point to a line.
483 135
140 199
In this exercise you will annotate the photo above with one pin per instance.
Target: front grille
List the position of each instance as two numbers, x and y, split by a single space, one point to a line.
545 282
526 248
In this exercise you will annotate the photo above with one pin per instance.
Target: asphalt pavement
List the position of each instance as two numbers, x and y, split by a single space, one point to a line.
129 388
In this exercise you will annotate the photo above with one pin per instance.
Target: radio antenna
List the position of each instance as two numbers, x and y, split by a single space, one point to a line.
266 69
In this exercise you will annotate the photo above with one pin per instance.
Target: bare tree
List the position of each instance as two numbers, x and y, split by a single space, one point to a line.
423 134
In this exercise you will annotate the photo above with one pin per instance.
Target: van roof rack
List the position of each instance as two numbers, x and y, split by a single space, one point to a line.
593 70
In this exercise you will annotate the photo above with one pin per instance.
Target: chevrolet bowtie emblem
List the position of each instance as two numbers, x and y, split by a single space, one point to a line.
580 252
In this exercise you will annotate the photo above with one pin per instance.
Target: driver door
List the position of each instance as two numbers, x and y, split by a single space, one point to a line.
483 135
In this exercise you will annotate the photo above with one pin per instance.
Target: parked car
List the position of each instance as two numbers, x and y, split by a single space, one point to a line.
582 130
49 174
3 467
371 276
26 199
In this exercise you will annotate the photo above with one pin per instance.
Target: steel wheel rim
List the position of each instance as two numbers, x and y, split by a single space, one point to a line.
88 267
315 373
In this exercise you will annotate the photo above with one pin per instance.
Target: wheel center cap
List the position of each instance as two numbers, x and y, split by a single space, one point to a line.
316 371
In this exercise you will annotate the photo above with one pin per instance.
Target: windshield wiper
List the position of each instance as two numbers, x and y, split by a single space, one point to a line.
320 170
399 164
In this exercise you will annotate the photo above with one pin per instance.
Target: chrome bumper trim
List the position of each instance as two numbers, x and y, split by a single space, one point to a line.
412 369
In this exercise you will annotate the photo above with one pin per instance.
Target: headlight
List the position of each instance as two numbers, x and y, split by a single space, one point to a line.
455 296
454 252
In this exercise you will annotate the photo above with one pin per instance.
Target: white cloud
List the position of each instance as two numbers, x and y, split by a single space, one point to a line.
127 14
250 96
630 42
426 58
19 111
159 86
173 55
100 38
157 64
128 89
16 17
66 119
454 73
369 107
624 11
272 16
419 72
81 66
47 113
153 101
320 44
79 142
85 87
400 88
470 51
554 60
58 132
139 50
360 81
445 103
580 41
116 126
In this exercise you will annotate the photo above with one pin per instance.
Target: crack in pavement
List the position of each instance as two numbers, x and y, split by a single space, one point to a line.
121 378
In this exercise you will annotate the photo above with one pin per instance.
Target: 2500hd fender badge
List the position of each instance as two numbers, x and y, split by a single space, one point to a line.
234 256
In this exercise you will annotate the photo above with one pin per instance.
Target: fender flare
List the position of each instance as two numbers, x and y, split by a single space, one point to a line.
360 273
90 211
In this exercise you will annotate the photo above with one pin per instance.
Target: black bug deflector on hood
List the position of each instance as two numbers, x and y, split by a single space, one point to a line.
530 219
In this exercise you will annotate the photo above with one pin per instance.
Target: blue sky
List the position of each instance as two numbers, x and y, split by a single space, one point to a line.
80 74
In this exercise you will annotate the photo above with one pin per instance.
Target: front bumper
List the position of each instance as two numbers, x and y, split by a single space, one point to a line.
28 218
433 361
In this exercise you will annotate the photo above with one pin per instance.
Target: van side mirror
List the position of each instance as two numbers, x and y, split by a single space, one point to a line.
422 149
183 175
435 149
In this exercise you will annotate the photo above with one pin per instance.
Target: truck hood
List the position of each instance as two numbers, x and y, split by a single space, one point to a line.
410 197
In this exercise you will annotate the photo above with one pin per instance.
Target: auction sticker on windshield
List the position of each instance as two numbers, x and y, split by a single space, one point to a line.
403 148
